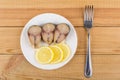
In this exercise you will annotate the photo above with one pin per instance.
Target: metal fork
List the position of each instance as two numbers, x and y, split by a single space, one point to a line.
88 22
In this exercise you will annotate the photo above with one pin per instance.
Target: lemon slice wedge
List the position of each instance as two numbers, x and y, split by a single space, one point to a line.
44 55
58 54
66 50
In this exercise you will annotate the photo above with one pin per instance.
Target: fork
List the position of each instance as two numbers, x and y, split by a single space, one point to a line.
88 22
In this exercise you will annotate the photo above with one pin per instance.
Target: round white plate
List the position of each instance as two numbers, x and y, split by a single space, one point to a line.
41 19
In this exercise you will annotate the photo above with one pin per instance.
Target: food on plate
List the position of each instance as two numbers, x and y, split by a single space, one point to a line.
48 32
58 54
66 50
61 32
34 34
53 54
44 55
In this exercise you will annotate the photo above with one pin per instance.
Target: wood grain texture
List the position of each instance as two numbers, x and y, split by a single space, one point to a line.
104 67
58 3
19 17
11 38
104 40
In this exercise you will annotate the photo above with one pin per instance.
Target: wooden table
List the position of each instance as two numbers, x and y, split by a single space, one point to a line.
105 42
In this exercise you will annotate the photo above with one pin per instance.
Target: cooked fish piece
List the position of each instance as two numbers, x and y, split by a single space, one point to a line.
34 34
61 32
48 32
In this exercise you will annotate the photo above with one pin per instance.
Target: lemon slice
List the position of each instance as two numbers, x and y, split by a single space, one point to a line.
44 55
58 54
66 50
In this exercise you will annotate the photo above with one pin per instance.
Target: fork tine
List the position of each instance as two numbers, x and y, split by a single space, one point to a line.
89 9
92 9
85 13
88 12
91 13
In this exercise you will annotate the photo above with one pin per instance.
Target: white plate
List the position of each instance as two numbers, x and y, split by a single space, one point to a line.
41 19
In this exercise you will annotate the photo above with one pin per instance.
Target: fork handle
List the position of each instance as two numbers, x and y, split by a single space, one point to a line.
88 65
